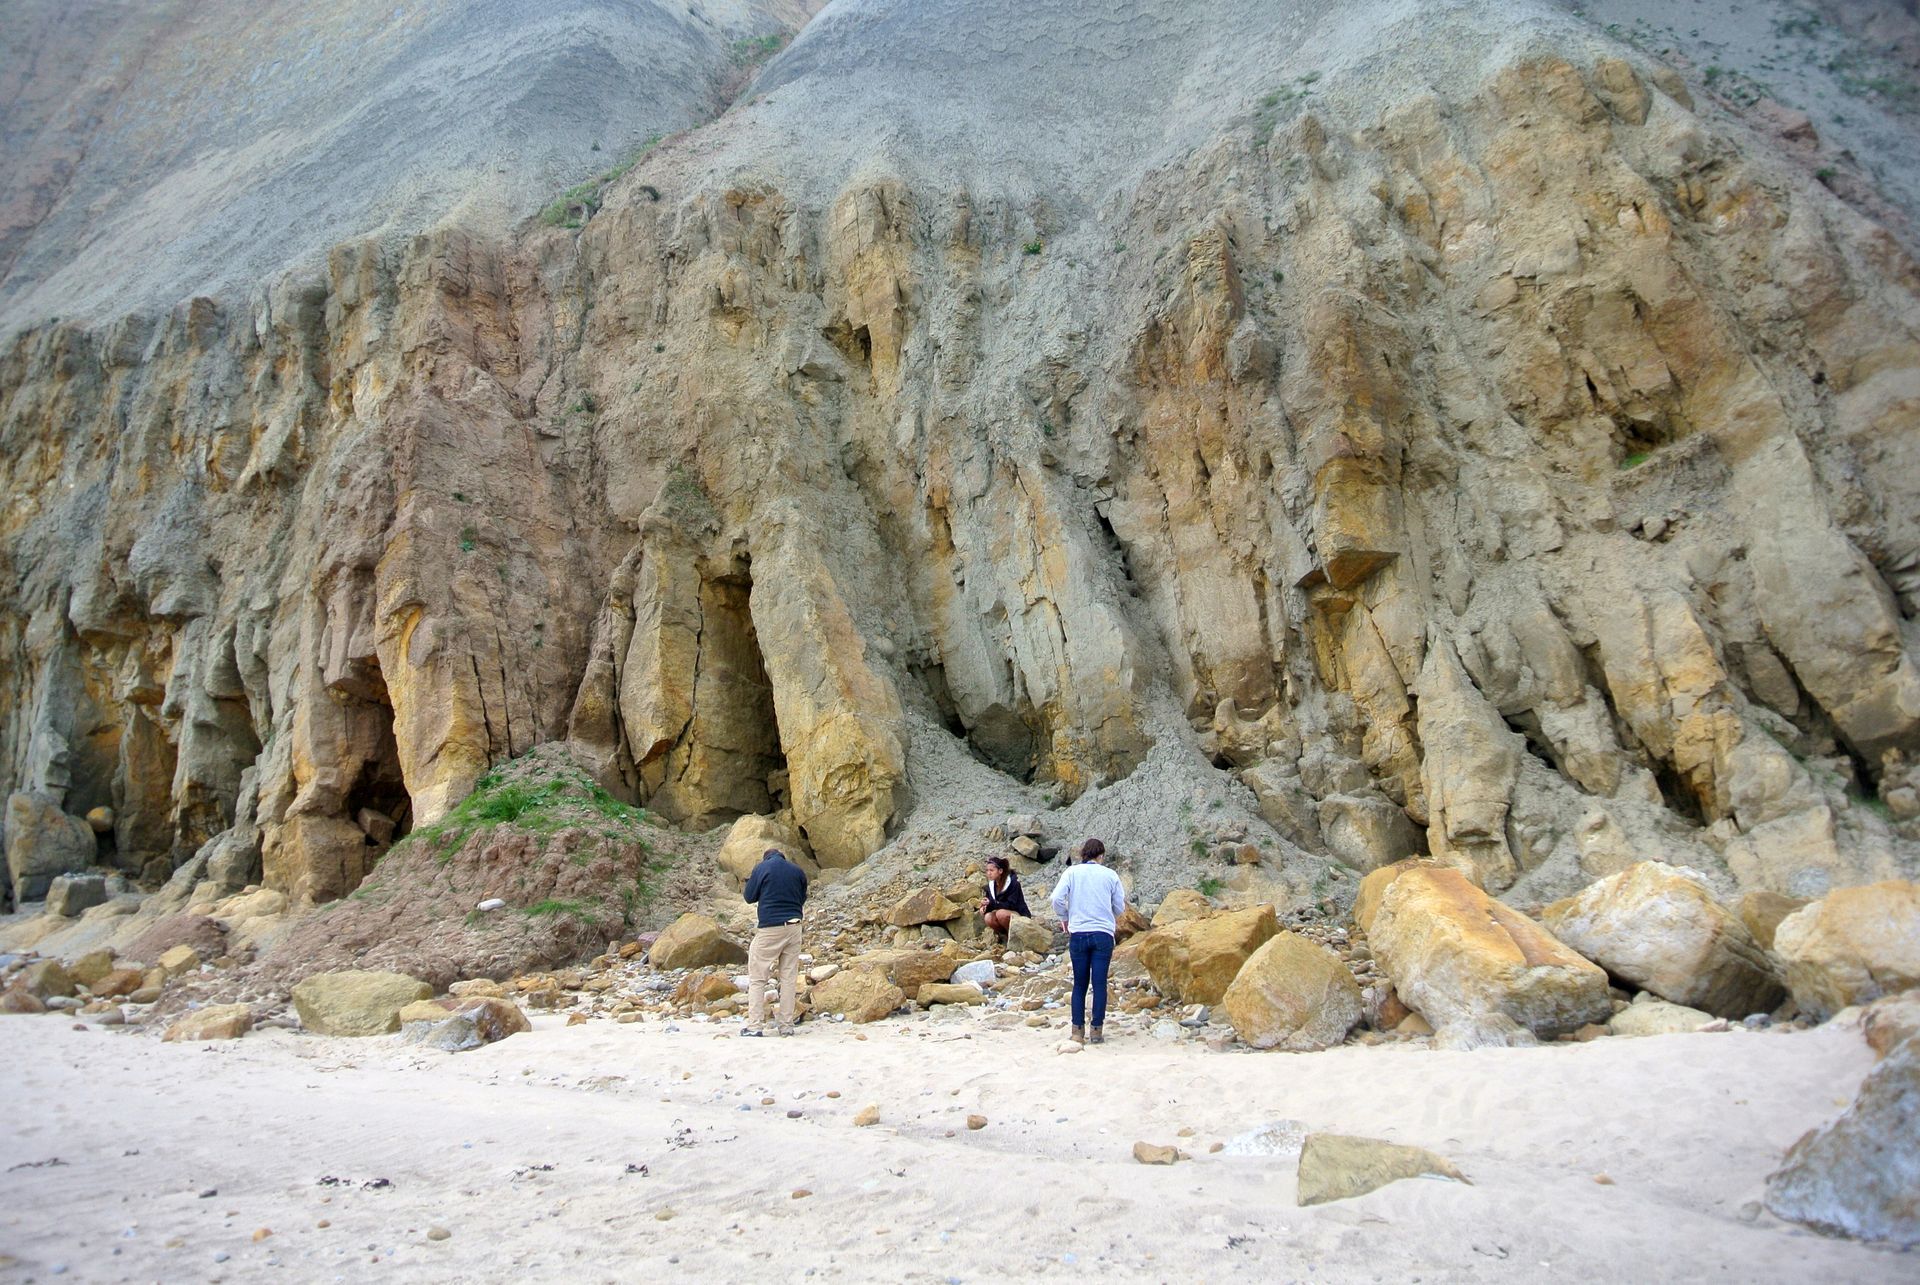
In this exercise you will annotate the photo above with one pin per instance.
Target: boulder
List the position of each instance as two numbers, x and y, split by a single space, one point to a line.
1181 905
356 1003
1293 994
91 967
1337 1167
100 819
1130 924
912 969
1649 1016
17 999
118 982
922 906
1761 911
177 960
1658 927
1030 935
1889 1022
1852 946
1194 961
1366 831
425 1010
1459 958
943 993
69 895
221 1022
695 941
47 979
980 972
470 1023
42 843
858 994
1859 1175
704 988
1155 1153
750 837
476 986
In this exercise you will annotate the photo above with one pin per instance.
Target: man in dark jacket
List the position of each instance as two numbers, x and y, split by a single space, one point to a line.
779 888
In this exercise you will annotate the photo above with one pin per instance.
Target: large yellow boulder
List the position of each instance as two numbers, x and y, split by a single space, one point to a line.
1479 972
1293 994
1181 905
355 1002
1852 946
695 941
1194 961
220 1022
922 906
1659 927
858 994
747 842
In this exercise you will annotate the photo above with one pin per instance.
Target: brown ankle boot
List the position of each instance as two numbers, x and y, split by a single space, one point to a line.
1079 1035
1096 1036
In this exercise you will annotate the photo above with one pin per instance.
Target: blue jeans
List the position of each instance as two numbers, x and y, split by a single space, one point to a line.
1090 952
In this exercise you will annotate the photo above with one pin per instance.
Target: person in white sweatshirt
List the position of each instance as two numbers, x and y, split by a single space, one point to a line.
1089 902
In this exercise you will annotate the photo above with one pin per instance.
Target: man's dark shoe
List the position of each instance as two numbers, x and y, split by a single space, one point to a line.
753 1032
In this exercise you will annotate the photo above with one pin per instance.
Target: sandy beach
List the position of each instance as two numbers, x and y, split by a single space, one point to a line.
620 1152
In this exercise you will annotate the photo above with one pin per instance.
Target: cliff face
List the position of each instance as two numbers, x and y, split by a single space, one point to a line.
1455 428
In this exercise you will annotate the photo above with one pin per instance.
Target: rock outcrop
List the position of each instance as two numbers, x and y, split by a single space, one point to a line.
1852 946
1857 1176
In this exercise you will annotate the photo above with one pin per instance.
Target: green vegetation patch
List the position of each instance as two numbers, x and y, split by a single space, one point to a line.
582 201
546 802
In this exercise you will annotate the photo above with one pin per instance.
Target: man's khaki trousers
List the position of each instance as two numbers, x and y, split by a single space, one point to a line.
773 946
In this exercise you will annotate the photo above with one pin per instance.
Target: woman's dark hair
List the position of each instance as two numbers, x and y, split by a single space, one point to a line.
1092 850
1001 862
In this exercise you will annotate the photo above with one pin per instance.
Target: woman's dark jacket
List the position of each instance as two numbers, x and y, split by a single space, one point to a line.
1010 898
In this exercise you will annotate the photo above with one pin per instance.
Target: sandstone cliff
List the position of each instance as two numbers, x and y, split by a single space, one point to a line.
1451 427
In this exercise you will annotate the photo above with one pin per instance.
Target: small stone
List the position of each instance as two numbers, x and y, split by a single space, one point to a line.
261 1234
324 1223
438 1233
1603 1180
662 1215
801 1193
1149 1153
976 1122
869 1114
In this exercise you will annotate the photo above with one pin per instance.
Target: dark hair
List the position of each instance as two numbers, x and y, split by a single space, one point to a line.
1002 862
773 852
1092 850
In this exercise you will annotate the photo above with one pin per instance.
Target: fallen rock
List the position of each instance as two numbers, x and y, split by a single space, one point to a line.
1852 946
177 961
1195 960
91 967
704 988
1890 1022
858 994
221 1022
1292 994
976 1122
940 993
867 1115
69 895
922 906
912 969
47 979
1181 905
18 1000
1459 958
42 843
821 972
980 972
356 1003
1152 1153
1648 1016
475 986
1337 1167
1762 910
1030 935
695 941
1859 1176
472 1022
1659 927
750 837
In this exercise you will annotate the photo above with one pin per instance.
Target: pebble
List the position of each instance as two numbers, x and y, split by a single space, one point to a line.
662 1215
793 1115
438 1233
801 1193
261 1234
868 1115
976 1122
222 1256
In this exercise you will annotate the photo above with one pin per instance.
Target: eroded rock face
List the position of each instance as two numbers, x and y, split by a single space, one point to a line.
1524 461
1661 929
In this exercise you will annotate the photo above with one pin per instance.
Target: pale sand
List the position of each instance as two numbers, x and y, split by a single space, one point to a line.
1686 1126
